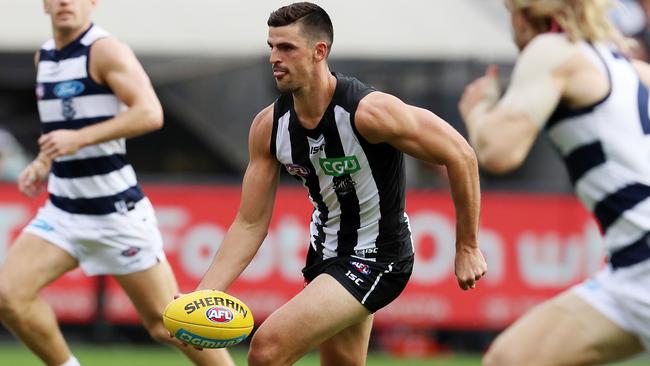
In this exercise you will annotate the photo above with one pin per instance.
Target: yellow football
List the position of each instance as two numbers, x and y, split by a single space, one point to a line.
208 319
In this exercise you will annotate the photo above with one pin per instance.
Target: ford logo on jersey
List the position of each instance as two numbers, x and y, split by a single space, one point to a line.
68 89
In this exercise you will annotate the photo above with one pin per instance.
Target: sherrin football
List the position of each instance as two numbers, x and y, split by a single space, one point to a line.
208 319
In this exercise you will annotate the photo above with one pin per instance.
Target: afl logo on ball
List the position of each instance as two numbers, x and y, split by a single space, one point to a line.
219 314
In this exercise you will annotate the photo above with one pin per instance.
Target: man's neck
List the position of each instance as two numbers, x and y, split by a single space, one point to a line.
63 37
311 102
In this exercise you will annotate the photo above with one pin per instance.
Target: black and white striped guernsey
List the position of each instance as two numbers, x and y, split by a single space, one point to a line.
97 180
357 188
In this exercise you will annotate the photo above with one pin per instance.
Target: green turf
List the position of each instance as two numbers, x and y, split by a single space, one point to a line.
13 354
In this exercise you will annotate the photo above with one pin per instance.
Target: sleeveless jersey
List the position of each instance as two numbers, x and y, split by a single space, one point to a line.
356 188
606 149
97 179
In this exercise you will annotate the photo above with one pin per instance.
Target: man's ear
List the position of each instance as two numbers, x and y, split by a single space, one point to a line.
321 51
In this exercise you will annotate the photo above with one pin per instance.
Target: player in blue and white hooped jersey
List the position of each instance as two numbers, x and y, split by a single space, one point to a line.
344 142
92 94
573 81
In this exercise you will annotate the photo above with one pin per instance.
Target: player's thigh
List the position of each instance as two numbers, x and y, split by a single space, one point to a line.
349 346
150 290
565 330
322 309
31 264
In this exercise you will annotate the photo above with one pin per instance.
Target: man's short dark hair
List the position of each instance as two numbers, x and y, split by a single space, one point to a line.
315 22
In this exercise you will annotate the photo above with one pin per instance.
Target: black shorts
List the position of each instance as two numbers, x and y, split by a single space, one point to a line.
373 284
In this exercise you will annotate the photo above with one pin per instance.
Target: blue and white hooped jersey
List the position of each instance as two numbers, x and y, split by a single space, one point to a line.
606 149
96 180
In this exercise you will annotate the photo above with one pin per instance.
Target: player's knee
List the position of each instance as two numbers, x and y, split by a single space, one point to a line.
498 356
9 304
264 351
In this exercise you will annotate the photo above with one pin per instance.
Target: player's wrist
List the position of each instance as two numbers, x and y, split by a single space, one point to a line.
85 137
42 162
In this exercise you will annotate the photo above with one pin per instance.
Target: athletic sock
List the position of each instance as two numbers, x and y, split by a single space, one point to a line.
72 361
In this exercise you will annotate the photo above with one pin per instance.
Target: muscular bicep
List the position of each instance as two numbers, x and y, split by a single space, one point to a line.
539 79
115 65
415 131
261 177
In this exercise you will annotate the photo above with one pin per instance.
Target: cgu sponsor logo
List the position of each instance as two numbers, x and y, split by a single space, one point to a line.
340 166
219 314
68 89
215 301
198 341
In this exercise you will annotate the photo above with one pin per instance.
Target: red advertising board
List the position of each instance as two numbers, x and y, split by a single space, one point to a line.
535 246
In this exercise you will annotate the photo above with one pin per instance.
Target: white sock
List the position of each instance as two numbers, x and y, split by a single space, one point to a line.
72 361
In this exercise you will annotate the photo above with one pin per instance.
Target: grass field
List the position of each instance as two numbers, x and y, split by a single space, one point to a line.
16 355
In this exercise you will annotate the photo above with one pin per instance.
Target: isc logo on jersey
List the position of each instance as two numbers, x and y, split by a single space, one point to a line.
219 314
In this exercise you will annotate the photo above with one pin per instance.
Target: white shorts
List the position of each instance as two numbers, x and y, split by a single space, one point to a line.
114 244
623 296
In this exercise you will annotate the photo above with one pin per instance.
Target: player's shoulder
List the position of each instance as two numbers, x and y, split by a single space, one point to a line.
549 46
263 121
546 53
110 48
376 103
350 91
264 116
261 131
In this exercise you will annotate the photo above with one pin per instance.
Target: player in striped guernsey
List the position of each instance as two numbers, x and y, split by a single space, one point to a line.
343 141
572 80
92 94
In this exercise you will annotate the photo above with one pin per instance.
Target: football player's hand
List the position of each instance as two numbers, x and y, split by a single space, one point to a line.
172 336
31 181
484 90
60 142
470 266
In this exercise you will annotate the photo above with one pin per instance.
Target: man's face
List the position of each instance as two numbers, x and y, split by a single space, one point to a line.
292 57
69 15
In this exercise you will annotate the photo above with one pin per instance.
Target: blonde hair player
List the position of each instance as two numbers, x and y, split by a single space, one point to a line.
92 94
573 80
